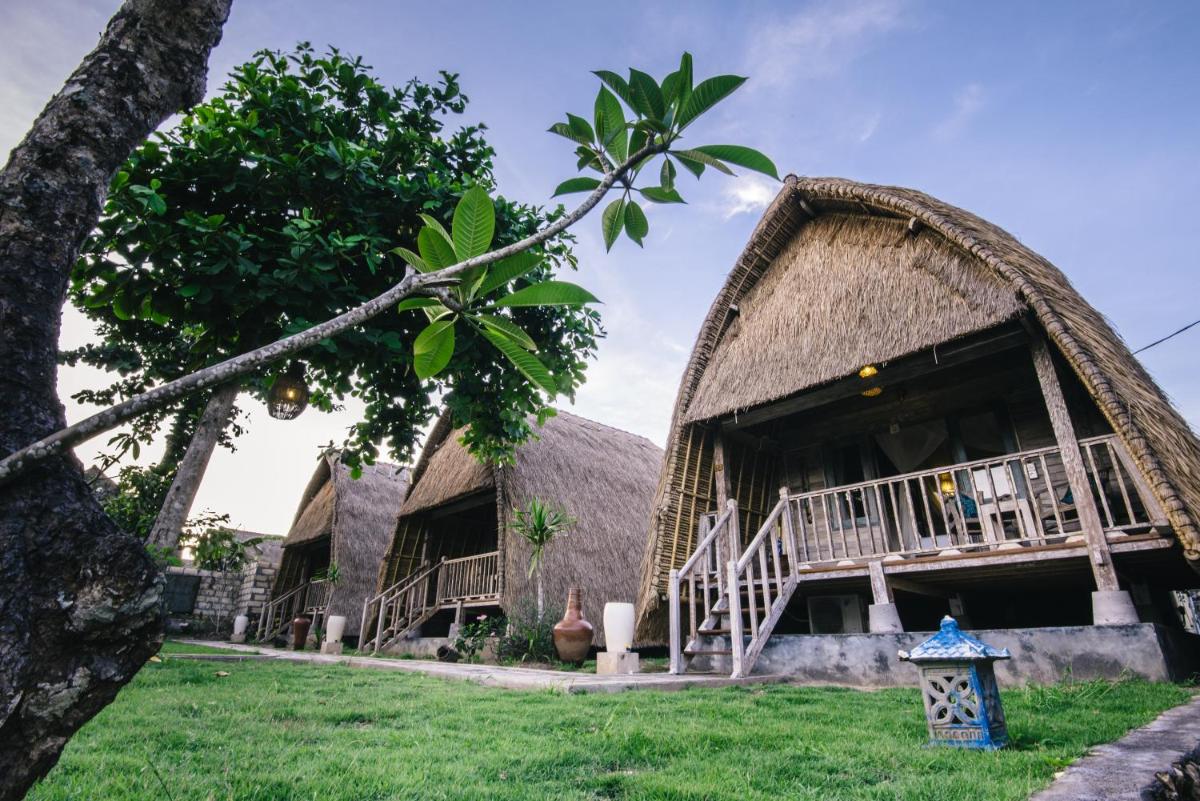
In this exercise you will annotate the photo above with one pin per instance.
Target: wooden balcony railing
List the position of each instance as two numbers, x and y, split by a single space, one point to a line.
471 578
1017 499
310 598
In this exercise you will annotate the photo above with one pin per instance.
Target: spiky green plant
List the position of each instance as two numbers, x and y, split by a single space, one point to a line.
539 523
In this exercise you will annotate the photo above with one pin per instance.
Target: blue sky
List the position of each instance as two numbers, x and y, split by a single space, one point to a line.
1073 125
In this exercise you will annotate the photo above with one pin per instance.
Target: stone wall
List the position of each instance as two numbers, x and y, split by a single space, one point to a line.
1046 655
223 595
217 596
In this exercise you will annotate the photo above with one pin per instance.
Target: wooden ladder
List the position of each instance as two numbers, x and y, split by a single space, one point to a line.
732 605
401 608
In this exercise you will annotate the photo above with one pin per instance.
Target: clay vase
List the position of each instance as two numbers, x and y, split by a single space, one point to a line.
300 632
573 634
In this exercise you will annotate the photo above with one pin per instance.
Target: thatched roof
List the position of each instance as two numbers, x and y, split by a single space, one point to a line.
446 471
838 274
602 476
358 515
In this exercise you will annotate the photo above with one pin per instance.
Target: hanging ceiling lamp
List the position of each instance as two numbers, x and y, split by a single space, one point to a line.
289 394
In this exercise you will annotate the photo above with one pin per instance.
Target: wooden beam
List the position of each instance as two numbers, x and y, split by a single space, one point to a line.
880 590
924 363
1068 445
917 588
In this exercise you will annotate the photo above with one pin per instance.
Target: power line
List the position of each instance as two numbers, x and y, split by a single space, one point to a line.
1168 336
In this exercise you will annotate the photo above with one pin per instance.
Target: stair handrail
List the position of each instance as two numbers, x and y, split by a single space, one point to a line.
388 598
265 620
742 569
708 550
379 596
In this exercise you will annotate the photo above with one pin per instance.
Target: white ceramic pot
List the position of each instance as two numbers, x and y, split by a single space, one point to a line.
618 627
335 628
240 623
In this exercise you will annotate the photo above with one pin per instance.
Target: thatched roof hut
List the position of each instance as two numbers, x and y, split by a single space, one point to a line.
459 508
840 274
345 522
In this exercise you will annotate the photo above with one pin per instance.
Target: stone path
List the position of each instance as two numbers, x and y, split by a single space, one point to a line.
1119 770
513 678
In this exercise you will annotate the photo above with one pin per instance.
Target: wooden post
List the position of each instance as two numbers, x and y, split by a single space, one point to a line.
673 616
880 589
721 478
737 645
789 532
1081 490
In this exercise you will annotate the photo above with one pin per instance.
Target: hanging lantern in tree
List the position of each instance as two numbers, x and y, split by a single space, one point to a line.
289 394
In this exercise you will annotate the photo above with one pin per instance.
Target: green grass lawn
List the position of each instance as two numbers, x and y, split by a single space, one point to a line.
290 731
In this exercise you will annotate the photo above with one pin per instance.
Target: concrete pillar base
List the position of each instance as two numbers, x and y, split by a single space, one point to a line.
615 664
884 619
1113 608
331 648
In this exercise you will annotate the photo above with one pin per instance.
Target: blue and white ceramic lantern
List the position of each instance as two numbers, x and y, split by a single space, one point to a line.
958 683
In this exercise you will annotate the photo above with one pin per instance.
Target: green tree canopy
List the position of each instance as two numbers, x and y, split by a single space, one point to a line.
281 202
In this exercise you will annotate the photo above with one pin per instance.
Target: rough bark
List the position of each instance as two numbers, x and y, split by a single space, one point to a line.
182 493
80 601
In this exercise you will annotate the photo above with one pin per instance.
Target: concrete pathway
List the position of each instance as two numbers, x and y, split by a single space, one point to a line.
513 678
1119 770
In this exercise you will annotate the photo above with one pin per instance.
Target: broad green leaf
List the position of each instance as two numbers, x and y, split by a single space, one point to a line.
505 326
612 221
666 176
742 156
436 250
694 167
656 194
412 259
548 293
436 225
579 126
191 290
506 270
670 86
637 140
120 306
529 365
647 97
636 224
617 84
474 224
433 348
685 76
610 124
408 304
581 184
564 129
685 156
705 96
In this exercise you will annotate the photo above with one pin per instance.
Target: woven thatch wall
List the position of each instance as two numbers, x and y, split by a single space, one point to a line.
359 517
603 477
848 295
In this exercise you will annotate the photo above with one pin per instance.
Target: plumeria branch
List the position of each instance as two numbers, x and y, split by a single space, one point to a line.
413 283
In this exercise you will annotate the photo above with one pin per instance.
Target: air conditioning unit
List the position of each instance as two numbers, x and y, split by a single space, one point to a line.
835 614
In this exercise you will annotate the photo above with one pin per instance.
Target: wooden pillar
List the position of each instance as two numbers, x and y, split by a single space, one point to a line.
880 590
1081 490
724 490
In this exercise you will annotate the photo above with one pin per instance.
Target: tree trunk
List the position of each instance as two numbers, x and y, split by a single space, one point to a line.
80 601
178 503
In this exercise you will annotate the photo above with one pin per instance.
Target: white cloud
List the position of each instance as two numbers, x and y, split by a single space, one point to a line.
969 101
747 194
870 127
819 40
